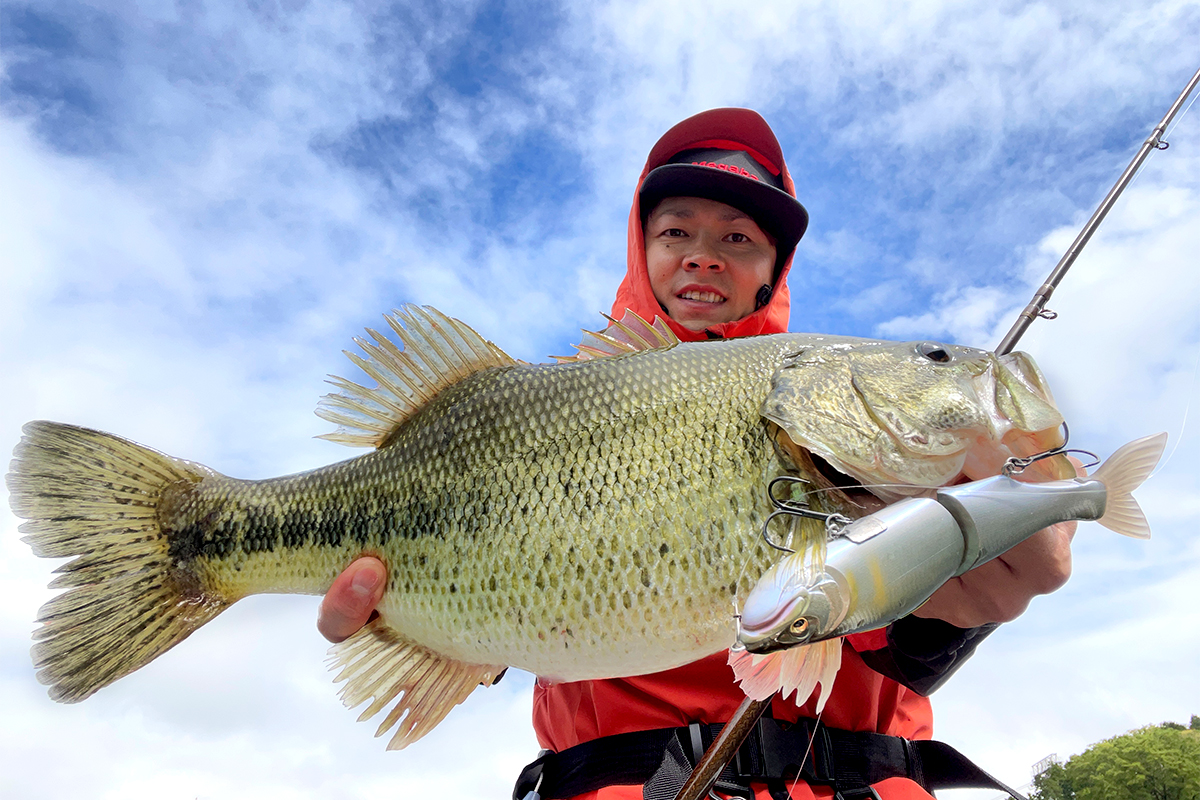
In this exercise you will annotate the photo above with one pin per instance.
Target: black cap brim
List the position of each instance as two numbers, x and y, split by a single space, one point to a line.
775 211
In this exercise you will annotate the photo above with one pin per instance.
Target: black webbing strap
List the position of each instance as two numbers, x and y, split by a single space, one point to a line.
660 761
624 759
946 768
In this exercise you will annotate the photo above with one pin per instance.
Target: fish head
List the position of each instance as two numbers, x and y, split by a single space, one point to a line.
792 604
899 419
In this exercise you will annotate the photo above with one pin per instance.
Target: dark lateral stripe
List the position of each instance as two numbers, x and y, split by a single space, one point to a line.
264 529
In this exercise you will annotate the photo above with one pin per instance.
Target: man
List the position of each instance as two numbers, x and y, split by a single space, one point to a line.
712 231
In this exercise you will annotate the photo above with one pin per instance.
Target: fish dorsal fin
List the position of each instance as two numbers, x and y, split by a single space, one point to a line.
629 335
378 663
436 352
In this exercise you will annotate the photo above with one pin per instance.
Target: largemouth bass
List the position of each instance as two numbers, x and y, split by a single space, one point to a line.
579 520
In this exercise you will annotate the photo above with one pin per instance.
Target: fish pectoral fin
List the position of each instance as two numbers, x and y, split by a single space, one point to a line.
379 663
437 352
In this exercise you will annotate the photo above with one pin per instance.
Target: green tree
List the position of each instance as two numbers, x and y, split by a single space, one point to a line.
1159 762
1052 784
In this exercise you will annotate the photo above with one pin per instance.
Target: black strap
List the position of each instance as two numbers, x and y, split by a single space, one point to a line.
946 768
624 759
661 760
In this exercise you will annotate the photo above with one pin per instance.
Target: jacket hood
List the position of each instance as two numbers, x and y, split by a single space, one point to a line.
732 126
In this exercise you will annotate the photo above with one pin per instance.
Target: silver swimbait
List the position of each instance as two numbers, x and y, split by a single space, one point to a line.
883 566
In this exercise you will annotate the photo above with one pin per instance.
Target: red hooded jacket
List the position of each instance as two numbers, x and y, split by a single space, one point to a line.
719 128
568 714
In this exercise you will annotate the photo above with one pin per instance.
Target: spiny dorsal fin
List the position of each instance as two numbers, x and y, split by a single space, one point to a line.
630 335
436 352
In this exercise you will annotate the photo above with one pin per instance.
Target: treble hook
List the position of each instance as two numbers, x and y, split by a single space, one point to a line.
834 523
1018 464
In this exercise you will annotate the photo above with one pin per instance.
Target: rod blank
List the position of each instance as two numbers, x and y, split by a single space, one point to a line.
1037 305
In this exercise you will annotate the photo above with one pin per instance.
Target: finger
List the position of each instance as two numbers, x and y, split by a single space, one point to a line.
351 599
1001 590
1042 563
976 598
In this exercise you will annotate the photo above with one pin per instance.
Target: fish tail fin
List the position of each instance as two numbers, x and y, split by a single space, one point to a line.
98 499
797 669
1124 471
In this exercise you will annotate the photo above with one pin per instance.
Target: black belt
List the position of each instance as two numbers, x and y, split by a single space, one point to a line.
661 760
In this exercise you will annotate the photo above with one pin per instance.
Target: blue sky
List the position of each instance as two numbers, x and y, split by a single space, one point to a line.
204 202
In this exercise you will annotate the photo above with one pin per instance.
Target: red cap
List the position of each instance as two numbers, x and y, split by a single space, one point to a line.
729 155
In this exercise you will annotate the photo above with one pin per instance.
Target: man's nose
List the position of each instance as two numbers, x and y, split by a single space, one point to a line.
704 254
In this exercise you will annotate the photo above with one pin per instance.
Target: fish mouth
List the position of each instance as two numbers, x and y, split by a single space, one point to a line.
850 490
845 489
984 460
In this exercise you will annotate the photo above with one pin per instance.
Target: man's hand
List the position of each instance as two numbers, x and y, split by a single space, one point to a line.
351 599
1000 590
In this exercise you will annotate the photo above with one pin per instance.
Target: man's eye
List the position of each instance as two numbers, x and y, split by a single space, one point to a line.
674 232
738 238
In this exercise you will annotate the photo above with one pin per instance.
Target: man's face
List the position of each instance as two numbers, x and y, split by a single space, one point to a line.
706 261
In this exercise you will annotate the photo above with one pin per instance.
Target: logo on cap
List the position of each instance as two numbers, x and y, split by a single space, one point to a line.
735 169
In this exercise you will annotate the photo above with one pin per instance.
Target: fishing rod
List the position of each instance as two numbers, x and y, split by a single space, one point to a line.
1037 306
700 782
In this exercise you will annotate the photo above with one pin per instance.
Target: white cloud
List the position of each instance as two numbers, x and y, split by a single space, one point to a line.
964 313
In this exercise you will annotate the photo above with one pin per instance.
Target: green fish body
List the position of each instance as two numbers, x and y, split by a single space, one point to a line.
582 520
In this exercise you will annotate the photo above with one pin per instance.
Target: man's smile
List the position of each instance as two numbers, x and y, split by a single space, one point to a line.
701 295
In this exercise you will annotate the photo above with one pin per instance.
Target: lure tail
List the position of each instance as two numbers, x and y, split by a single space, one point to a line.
99 500
797 669
1124 471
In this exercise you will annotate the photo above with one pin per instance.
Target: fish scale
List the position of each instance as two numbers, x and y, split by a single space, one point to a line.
528 467
564 566
580 520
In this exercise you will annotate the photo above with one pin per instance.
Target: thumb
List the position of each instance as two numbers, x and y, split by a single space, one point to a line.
351 599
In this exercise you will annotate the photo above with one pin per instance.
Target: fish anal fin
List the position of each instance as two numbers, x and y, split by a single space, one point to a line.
796 670
435 352
379 664
630 334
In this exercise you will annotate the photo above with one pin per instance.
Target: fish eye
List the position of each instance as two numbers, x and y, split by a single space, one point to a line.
934 352
800 626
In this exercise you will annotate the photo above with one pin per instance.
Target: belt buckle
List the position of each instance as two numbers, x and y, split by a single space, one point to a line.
863 793
736 784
